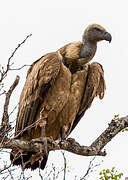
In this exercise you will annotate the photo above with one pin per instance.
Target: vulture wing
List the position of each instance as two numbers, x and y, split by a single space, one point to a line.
94 86
44 95
40 77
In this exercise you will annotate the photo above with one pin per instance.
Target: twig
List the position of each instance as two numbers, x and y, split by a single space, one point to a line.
13 110
54 171
5 168
65 165
3 72
17 49
14 69
41 177
3 93
90 169
10 173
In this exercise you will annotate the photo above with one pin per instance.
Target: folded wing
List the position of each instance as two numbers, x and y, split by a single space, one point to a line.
94 86
40 77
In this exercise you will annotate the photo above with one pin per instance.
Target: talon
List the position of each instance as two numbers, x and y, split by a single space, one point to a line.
44 141
58 141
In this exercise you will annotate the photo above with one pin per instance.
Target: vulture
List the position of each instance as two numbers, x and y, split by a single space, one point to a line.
59 88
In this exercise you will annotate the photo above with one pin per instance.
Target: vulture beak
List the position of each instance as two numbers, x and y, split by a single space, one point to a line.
107 37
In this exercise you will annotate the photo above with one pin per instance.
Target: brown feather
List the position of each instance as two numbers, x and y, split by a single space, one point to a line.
44 95
94 86
70 52
40 74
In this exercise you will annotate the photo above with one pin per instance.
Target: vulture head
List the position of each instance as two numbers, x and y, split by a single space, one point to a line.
95 33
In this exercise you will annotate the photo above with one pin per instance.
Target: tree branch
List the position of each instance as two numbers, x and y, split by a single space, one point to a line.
5 118
4 71
5 125
70 144
15 69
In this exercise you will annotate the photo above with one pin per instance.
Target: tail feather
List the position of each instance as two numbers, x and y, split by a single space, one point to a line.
24 159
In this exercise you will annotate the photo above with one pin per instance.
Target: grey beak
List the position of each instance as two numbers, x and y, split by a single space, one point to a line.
107 37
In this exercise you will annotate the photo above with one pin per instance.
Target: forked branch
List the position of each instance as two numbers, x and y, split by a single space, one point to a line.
4 71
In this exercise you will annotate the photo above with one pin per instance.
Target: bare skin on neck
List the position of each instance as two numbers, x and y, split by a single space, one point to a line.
77 54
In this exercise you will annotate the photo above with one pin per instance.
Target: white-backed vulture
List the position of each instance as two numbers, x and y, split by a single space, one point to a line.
59 87
77 54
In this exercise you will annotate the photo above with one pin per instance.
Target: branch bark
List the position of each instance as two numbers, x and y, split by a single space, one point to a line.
95 149
5 125
5 118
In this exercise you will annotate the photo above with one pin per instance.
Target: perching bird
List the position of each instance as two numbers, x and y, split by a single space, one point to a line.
54 99
77 54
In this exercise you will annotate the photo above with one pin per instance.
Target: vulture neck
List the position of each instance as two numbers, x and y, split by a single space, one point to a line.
88 50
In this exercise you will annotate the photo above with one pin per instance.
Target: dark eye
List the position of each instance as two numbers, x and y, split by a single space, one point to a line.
97 29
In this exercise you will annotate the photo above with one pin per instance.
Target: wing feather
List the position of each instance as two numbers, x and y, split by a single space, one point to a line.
39 79
95 86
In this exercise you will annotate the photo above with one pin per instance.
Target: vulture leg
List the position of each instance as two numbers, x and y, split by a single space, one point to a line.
63 133
43 139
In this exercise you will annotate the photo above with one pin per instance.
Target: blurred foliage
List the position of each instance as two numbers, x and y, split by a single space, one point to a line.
108 174
116 118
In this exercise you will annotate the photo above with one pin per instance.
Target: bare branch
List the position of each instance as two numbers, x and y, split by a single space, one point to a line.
41 177
5 168
10 173
4 71
13 110
17 49
5 118
14 69
65 165
2 93
70 144
90 168
114 128
1 89
5 125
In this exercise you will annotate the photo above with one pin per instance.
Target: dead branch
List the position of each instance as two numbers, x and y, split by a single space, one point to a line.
18 47
15 69
95 149
91 168
5 118
5 168
65 165
4 71
5 125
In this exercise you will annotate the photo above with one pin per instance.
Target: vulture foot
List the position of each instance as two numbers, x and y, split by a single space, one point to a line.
44 141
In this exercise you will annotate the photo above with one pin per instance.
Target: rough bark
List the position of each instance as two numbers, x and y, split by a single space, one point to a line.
95 149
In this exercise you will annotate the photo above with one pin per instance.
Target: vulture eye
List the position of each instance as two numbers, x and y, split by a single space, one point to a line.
97 29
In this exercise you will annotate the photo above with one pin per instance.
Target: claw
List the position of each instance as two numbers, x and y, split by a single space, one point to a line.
44 141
